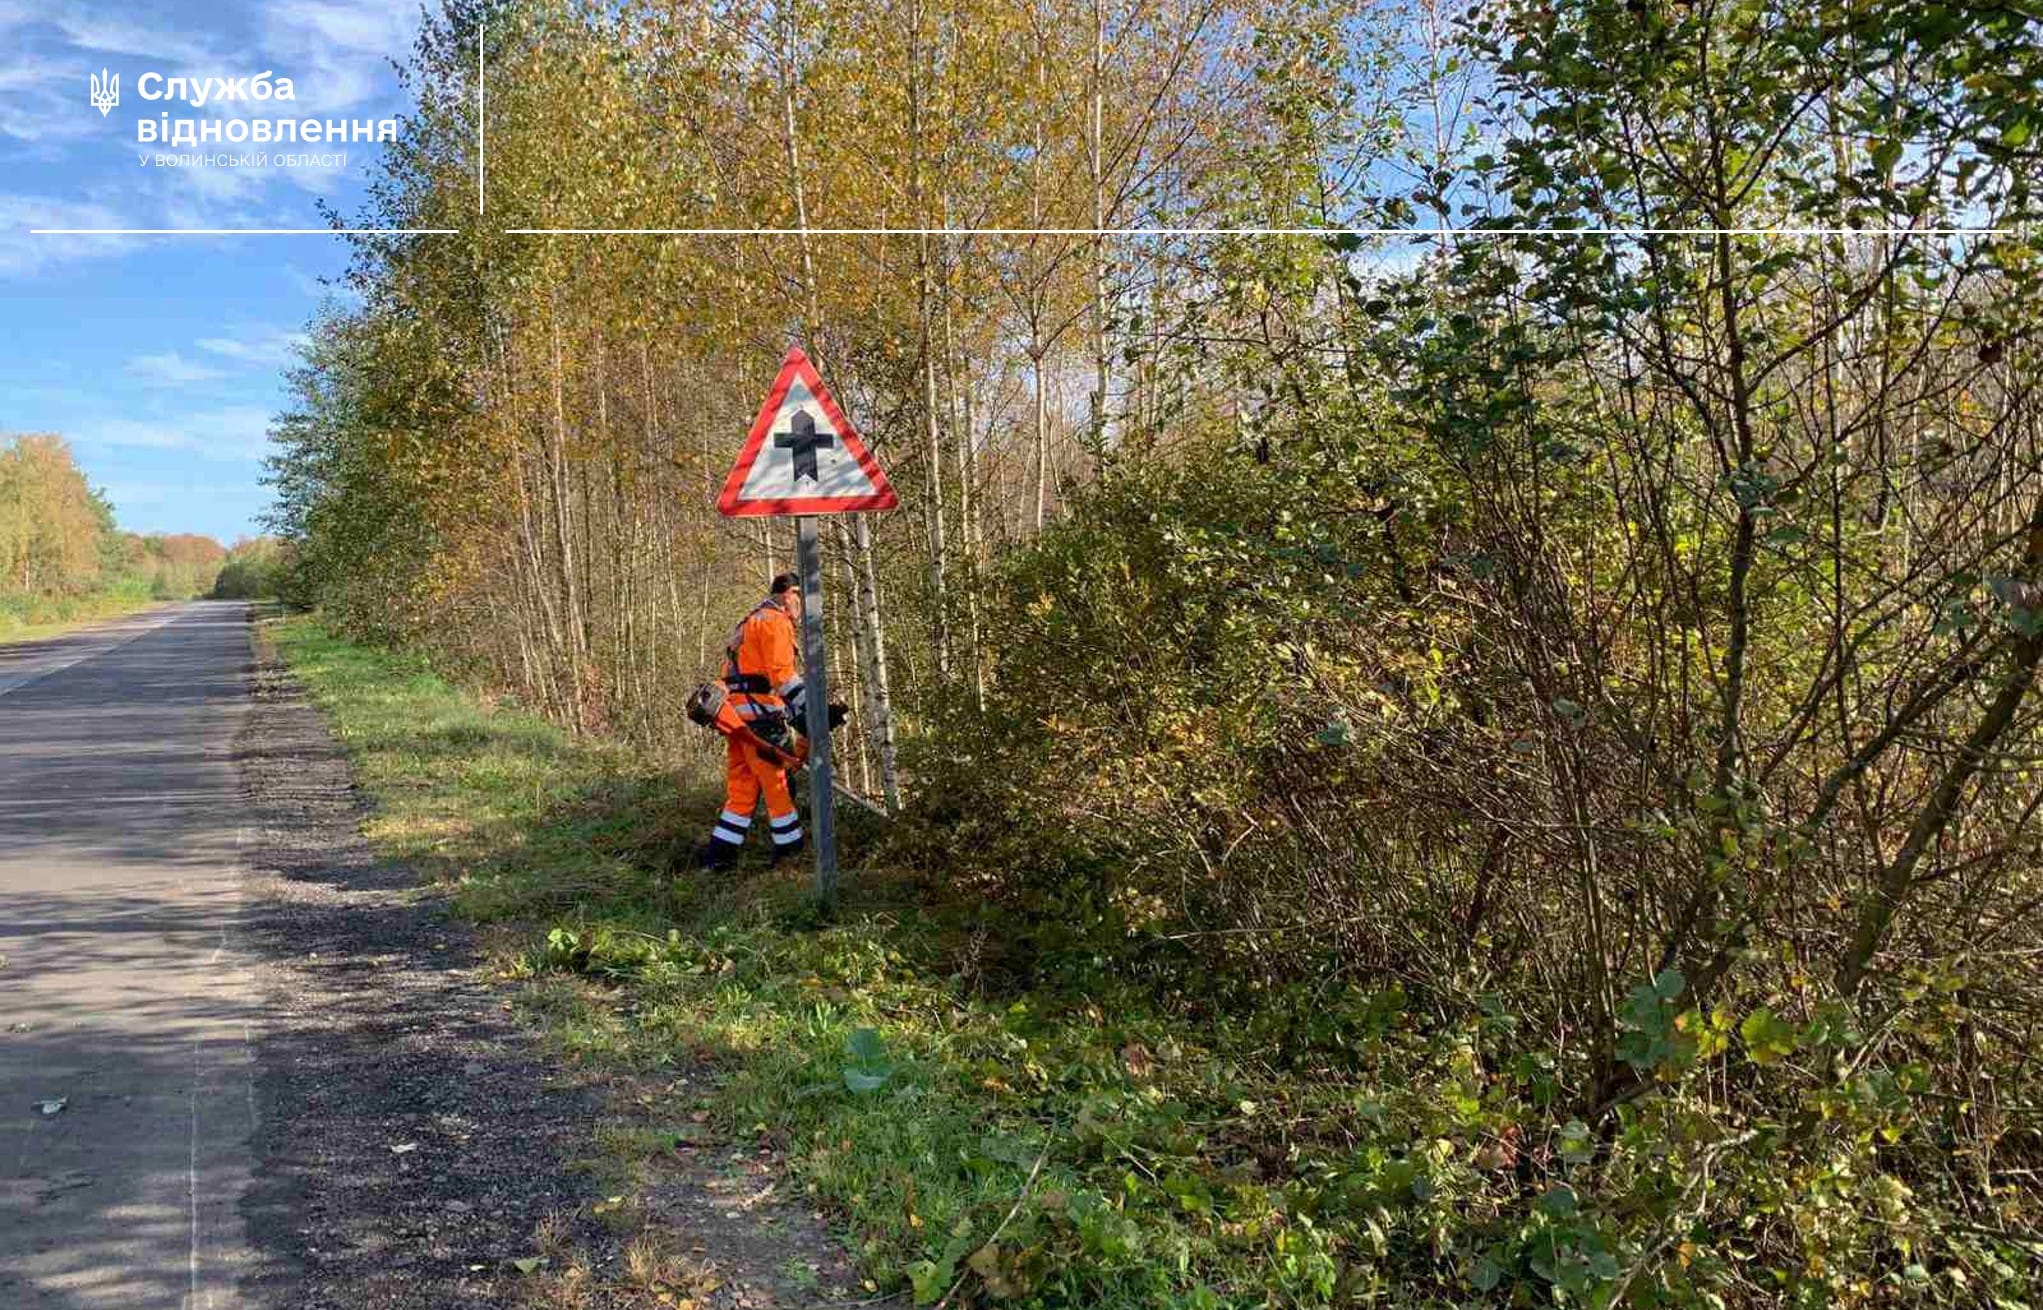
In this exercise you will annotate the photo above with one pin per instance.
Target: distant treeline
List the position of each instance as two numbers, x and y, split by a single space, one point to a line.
63 556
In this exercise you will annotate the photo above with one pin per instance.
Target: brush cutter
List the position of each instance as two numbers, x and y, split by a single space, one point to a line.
710 706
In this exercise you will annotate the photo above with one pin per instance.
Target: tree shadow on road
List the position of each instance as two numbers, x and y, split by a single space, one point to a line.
410 1142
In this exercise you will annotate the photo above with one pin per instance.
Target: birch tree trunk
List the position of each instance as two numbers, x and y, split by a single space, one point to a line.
868 593
1042 417
876 672
927 291
1037 297
1096 161
564 561
960 388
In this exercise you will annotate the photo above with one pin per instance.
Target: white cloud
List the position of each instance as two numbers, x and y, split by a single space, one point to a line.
126 36
35 109
271 348
222 509
171 369
13 14
26 75
307 283
22 253
134 495
338 55
217 196
128 495
232 432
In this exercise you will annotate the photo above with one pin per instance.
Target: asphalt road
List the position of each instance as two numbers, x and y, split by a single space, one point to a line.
289 1077
126 992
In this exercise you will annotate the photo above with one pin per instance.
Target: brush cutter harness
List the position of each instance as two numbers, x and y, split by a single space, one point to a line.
756 708
751 708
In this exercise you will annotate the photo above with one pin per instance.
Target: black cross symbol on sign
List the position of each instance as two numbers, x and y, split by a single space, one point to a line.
804 441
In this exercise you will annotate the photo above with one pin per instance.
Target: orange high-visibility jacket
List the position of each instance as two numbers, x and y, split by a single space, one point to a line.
759 664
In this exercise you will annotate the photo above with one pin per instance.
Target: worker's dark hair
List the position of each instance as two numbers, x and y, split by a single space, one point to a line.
785 582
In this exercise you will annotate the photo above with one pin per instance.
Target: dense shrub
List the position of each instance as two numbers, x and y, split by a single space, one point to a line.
1223 763
255 569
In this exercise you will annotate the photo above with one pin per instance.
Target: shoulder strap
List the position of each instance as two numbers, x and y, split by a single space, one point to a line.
731 669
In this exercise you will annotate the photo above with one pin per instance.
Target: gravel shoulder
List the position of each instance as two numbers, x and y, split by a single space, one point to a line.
410 1141
417 1146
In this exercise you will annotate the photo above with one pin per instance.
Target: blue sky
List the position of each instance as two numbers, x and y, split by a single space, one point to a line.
161 359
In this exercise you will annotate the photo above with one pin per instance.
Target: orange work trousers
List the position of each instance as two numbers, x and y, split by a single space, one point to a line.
748 775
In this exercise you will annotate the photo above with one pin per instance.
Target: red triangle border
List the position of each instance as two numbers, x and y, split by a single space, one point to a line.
795 364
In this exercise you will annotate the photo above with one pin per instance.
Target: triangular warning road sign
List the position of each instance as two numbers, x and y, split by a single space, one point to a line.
803 456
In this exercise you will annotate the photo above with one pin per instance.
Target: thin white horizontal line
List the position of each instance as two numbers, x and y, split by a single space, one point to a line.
1383 232
1388 233
242 231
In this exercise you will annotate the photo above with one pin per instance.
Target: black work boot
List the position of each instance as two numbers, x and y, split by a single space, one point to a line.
714 854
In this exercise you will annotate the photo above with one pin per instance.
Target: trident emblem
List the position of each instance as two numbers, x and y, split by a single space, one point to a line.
106 91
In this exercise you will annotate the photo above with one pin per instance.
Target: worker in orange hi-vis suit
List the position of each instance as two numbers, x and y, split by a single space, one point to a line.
766 690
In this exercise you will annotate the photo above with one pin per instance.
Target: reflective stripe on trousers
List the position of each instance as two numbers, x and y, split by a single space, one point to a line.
748 778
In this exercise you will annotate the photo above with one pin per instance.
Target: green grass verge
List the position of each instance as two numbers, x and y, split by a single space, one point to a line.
26 618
